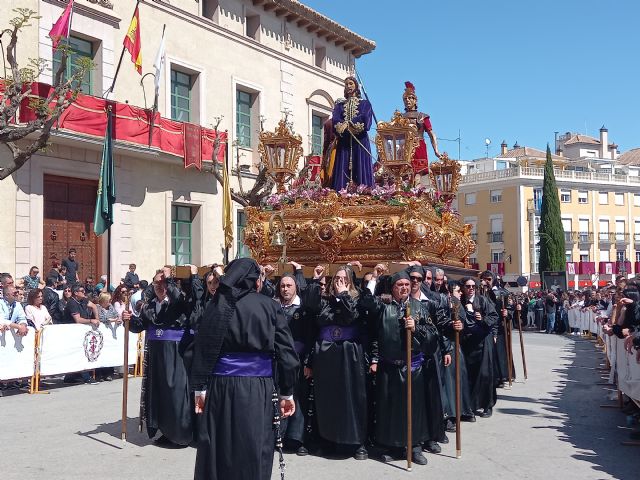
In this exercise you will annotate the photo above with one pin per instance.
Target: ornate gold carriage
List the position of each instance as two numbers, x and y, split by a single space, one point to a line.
387 223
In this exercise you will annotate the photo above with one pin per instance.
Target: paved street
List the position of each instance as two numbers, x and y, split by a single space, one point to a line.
549 426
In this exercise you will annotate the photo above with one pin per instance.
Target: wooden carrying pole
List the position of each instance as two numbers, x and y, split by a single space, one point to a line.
409 338
125 373
524 361
458 402
505 327
34 386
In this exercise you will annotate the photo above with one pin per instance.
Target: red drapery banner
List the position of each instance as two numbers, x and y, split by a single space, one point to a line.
87 115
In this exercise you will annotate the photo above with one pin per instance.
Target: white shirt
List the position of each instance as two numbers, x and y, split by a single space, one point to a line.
39 316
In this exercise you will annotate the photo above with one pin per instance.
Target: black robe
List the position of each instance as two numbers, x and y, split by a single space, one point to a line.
391 375
449 373
478 347
237 438
167 400
339 369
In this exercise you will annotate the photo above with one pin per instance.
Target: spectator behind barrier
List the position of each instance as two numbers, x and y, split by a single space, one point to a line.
37 314
11 312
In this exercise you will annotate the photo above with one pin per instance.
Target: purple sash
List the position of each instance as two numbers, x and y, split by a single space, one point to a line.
339 333
299 347
244 364
416 361
166 335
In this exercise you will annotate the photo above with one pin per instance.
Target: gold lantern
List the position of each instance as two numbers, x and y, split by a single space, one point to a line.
396 142
280 151
445 176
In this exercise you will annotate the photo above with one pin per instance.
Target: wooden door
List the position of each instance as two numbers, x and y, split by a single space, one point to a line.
69 205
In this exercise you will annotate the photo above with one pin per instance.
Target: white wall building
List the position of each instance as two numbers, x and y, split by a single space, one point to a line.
244 60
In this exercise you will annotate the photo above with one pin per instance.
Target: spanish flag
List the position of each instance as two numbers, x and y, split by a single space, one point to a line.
132 41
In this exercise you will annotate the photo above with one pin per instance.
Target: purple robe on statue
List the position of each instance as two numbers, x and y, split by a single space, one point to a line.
352 163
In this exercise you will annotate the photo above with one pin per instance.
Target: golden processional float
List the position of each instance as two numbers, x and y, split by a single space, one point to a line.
391 222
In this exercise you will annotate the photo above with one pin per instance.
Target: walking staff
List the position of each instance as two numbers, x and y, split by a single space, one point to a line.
125 368
524 361
507 341
409 338
458 402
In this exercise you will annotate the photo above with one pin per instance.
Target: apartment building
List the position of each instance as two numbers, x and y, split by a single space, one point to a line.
599 193
247 61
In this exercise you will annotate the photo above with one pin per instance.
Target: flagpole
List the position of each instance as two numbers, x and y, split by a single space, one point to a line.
115 77
226 167
109 119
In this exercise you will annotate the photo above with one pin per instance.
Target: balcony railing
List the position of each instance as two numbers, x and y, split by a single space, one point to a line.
585 237
621 238
605 237
494 236
537 172
570 237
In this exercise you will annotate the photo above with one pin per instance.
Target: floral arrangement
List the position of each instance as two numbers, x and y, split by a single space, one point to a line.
387 193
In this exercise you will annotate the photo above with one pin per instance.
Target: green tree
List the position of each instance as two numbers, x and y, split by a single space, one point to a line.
25 139
552 247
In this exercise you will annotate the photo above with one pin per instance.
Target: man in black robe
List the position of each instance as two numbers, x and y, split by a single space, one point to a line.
288 289
166 398
243 343
478 317
391 323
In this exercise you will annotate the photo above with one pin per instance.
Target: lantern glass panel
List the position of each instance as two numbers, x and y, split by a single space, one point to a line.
400 143
389 147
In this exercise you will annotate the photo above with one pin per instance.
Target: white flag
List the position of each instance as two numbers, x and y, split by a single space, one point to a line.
158 64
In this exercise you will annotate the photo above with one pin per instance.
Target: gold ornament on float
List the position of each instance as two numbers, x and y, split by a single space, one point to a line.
445 177
280 151
396 142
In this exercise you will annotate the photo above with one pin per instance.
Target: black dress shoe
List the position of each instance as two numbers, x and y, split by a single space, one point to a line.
444 440
418 458
468 418
487 413
386 458
302 451
361 454
432 447
450 426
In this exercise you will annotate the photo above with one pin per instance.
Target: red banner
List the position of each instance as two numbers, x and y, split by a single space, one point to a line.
87 115
496 268
606 268
586 268
192 146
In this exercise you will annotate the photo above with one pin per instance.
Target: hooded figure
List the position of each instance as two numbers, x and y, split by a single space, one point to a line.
243 343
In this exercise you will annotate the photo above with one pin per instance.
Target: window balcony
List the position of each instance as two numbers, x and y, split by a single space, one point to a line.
570 238
622 239
585 238
493 237
605 238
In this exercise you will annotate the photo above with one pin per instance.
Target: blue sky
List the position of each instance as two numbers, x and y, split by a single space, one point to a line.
513 70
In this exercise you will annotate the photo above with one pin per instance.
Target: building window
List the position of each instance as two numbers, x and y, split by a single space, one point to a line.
242 251
620 255
243 118
181 84
583 197
181 218
636 199
316 134
603 230
473 260
603 198
470 199
568 255
253 27
604 255
501 165
497 256
496 196
321 57
637 256
565 196
79 49
537 199
584 255
620 230
619 198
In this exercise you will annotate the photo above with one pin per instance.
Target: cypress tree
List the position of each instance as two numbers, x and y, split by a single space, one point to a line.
552 249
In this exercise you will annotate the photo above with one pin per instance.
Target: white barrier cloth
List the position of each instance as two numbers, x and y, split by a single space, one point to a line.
75 347
16 354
